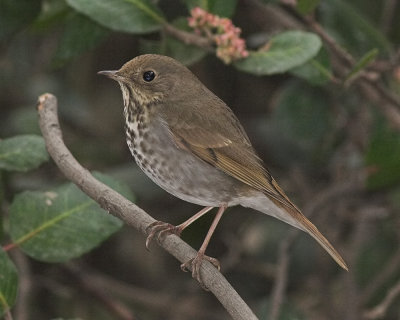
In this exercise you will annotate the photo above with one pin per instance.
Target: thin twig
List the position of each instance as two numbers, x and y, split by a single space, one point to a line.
391 113
388 11
8 315
116 308
331 42
278 291
319 200
131 214
389 96
188 37
380 310
386 272
352 292
382 66
389 102
159 301
22 308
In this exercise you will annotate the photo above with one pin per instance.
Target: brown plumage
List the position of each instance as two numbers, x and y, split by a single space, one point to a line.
190 143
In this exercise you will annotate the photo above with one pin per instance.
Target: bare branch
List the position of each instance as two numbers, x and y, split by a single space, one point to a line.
386 272
278 291
159 301
188 37
380 310
22 308
321 199
389 102
331 42
7 315
388 12
392 114
125 210
115 307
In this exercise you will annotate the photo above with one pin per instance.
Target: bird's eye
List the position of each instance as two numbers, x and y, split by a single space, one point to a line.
148 76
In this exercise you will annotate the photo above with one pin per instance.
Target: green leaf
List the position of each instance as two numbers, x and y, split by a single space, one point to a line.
317 71
222 8
15 15
133 16
22 153
285 51
63 223
169 46
8 283
382 156
81 34
362 63
306 6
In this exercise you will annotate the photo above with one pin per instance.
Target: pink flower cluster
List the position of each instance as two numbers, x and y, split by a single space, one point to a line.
222 32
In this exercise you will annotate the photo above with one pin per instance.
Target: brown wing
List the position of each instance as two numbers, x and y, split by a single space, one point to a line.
234 155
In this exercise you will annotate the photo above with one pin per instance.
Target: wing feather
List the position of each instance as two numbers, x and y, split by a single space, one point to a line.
236 159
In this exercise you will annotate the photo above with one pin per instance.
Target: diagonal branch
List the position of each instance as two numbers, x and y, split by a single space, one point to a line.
128 212
188 37
86 285
370 87
380 310
387 101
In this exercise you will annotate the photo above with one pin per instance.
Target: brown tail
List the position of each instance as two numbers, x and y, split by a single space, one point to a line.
280 207
306 225
313 231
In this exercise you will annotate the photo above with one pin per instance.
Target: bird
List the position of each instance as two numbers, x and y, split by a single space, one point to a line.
190 143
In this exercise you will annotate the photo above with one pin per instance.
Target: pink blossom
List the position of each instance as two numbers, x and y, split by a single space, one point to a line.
222 32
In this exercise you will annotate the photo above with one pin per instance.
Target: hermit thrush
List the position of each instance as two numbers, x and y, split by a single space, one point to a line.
190 143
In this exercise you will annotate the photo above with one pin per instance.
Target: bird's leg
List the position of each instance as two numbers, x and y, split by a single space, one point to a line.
195 263
159 229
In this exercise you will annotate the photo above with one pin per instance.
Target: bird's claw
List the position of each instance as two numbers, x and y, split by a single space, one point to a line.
195 265
159 230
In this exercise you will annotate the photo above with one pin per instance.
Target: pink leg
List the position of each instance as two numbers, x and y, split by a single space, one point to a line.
161 228
192 219
195 263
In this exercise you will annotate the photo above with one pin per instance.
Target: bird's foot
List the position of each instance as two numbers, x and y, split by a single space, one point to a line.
195 265
160 230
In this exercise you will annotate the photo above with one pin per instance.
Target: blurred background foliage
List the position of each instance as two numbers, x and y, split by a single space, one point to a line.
319 98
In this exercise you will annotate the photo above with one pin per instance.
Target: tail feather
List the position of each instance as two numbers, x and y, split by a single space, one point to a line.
312 230
293 216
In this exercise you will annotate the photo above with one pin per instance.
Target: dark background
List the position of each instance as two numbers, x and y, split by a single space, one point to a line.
327 144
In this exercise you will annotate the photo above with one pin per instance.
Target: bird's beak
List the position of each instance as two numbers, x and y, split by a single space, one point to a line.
113 74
